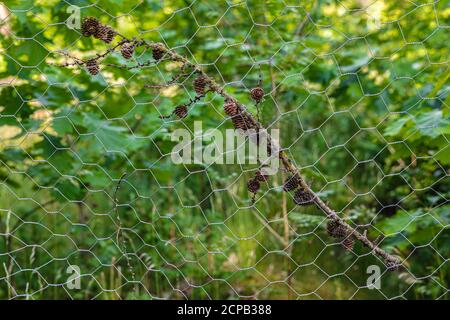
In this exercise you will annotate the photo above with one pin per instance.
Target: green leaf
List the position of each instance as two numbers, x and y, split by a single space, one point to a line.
395 127
431 123
398 223
112 138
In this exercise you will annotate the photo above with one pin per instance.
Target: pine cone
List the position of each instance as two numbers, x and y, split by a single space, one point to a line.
253 185
127 50
336 230
157 53
200 85
291 183
239 119
348 243
101 31
303 197
110 34
181 111
105 33
261 177
230 108
257 94
239 122
92 67
89 26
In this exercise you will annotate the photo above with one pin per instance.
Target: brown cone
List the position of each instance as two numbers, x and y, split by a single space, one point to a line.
200 85
335 230
230 108
105 33
291 183
257 94
92 67
181 111
348 243
253 185
303 197
127 50
89 26
261 177
157 53
240 122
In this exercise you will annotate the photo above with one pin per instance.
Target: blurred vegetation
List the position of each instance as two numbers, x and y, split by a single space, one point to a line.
359 90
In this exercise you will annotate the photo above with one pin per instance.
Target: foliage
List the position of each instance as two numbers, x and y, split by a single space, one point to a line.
359 90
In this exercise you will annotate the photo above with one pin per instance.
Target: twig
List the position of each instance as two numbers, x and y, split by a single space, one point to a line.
119 230
136 66
169 83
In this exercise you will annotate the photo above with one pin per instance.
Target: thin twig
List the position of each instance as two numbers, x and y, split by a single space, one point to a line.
119 230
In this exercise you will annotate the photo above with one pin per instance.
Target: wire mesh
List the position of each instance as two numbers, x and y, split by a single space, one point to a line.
93 207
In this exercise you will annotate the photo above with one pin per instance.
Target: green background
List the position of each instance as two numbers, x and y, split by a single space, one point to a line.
358 89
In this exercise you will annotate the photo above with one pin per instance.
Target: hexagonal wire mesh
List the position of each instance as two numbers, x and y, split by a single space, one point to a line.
93 206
